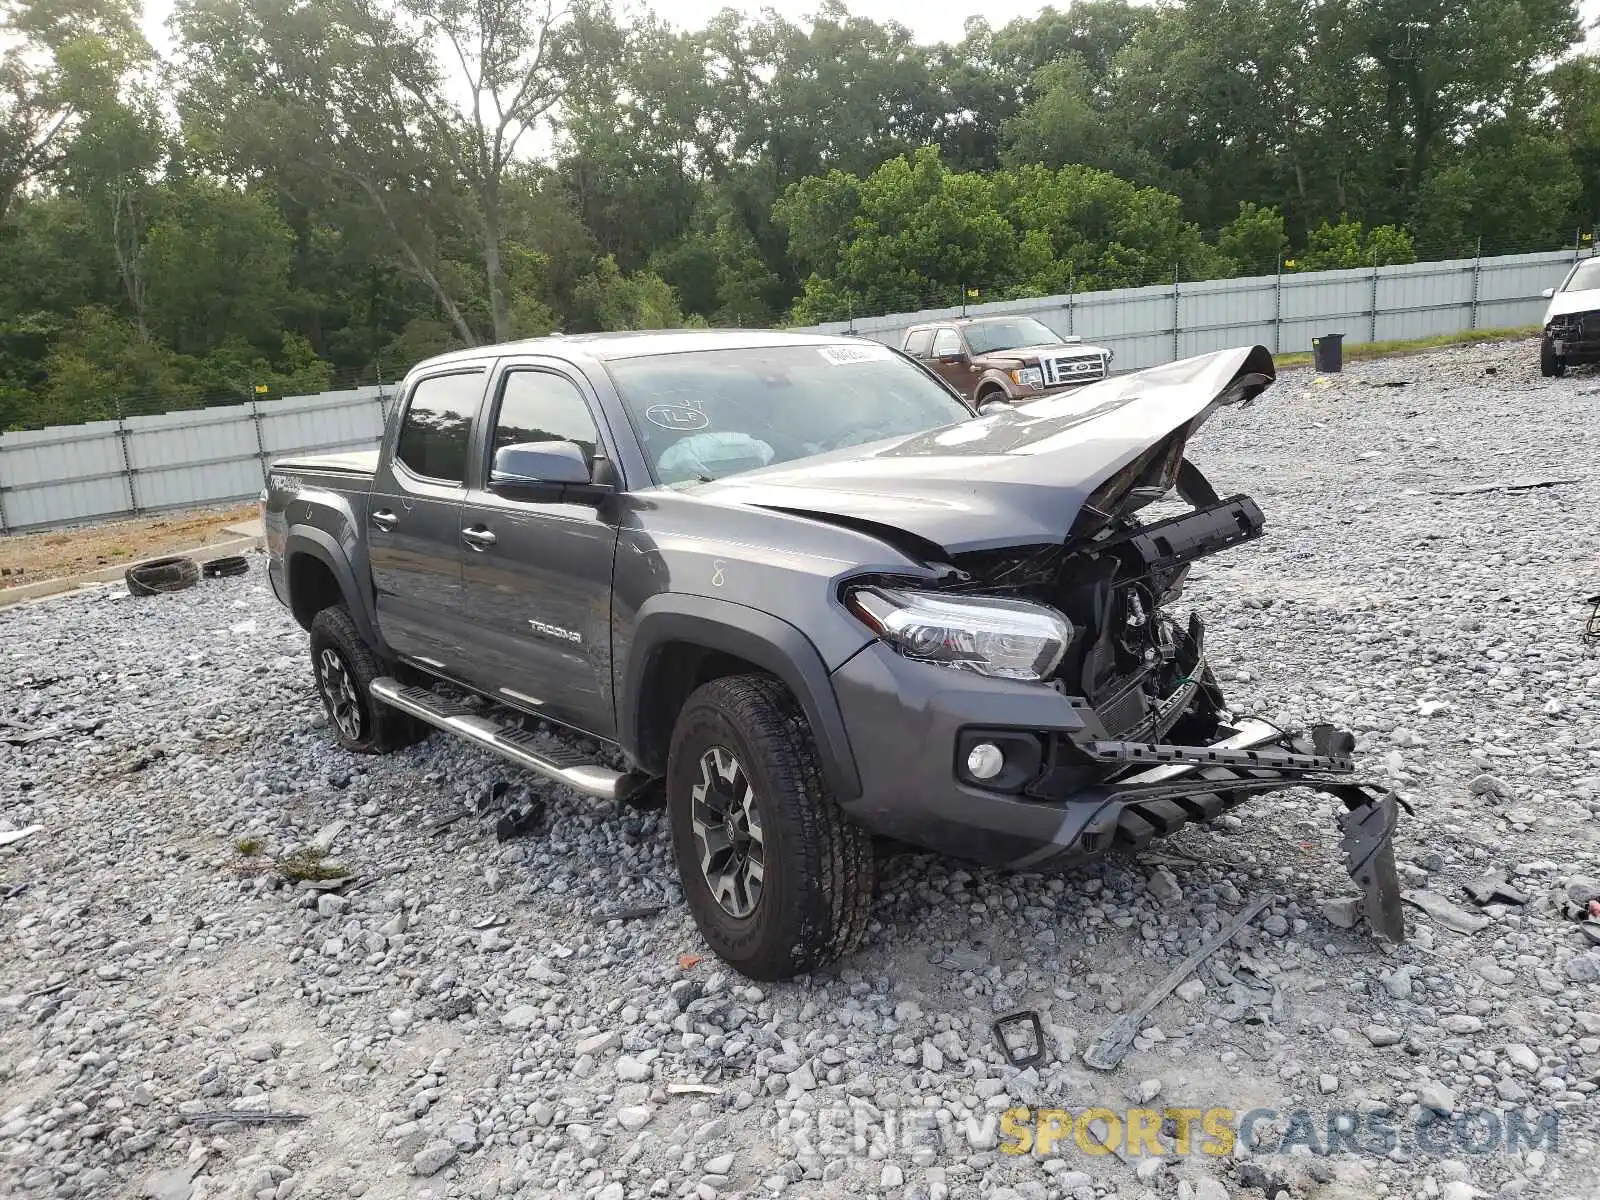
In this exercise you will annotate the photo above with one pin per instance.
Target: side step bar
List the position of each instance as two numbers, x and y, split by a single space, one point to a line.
520 747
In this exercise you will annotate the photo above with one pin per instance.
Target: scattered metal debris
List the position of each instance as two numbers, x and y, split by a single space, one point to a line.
1445 914
11 893
246 1117
693 1089
1493 889
28 736
9 836
1525 484
632 912
1021 1058
1112 1046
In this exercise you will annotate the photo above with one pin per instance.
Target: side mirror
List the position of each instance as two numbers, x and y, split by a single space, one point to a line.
544 471
989 407
1548 293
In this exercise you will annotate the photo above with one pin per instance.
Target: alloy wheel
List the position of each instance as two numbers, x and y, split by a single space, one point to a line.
339 690
727 833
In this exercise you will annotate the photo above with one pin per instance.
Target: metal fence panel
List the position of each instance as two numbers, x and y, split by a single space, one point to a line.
70 474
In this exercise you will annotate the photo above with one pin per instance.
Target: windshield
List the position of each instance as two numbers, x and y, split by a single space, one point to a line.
1586 277
712 413
987 336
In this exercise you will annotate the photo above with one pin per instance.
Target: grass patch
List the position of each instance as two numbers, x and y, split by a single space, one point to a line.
250 846
308 862
1362 350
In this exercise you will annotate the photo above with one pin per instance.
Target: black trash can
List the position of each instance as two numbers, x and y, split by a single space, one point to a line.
1328 350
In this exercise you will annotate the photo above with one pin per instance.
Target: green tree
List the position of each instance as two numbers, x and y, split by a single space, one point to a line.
58 60
1254 240
1347 245
217 264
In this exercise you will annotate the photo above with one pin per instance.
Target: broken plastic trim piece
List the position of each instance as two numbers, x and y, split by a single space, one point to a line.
1112 1046
1020 1058
1368 826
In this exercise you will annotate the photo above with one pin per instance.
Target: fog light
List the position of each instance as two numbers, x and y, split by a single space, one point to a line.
985 761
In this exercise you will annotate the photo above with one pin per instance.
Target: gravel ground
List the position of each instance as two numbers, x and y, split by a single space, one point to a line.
461 1019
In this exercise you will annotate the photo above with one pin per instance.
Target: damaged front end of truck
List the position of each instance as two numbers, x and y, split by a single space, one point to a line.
1159 747
1149 743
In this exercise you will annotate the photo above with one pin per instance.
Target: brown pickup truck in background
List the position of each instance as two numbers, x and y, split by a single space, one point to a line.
1004 358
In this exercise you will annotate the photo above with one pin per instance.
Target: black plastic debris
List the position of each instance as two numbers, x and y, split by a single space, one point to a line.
1591 631
1527 484
1021 1057
520 819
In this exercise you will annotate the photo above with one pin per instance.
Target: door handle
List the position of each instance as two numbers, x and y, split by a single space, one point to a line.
478 537
384 519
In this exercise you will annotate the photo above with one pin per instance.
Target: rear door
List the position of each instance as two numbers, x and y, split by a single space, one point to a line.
538 574
414 518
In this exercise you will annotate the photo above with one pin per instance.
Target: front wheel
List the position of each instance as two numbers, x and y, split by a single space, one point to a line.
1551 364
345 667
779 880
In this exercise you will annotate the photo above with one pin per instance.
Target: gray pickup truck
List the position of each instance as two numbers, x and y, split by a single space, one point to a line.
801 594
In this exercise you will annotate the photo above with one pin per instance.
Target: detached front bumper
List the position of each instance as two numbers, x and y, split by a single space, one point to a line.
1088 793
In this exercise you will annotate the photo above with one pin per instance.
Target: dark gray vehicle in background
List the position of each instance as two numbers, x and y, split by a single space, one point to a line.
802 595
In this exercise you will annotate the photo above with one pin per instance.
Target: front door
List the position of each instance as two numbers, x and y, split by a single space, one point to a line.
414 519
538 574
950 360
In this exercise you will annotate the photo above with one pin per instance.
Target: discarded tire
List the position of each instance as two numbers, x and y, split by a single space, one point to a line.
162 575
222 568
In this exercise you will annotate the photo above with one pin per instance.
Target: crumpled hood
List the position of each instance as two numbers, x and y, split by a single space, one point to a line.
1018 477
1587 300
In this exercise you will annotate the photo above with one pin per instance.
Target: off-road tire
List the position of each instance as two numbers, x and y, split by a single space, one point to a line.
1551 365
816 893
378 729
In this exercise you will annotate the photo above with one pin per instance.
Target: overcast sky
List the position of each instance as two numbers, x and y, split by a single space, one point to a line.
930 20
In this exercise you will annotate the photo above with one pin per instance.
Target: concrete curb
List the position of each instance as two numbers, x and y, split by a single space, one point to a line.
51 588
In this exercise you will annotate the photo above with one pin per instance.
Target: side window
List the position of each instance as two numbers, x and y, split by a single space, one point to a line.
538 406
946 341
919 343
433 436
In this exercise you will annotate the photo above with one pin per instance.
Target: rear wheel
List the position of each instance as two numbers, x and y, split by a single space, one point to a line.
345 667
779 880
1551 364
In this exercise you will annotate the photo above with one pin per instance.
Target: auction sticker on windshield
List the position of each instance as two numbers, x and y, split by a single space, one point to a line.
841 356
676 417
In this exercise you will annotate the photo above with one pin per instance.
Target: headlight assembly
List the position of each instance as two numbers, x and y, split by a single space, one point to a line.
1004 639
1028 377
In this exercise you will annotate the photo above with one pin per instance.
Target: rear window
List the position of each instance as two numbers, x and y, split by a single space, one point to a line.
712 413
438 421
